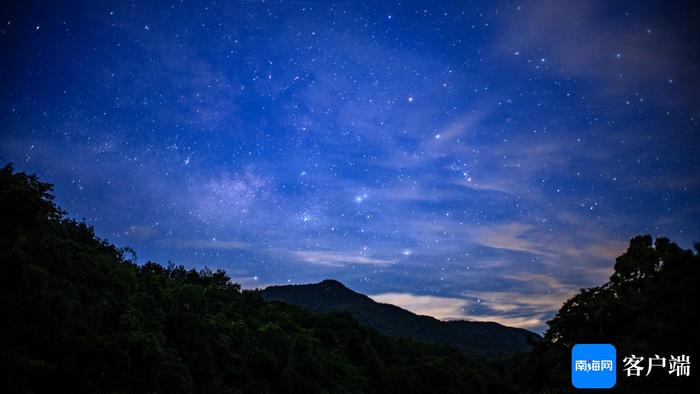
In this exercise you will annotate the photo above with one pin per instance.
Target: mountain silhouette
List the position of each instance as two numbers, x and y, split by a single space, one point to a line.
471 337
85 319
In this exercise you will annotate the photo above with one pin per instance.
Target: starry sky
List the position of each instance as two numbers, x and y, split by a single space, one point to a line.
480 160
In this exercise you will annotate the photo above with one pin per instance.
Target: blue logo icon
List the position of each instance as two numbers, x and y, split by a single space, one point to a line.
593 366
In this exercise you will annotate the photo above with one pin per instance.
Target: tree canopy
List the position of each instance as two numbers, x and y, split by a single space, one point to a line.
83 317
648 307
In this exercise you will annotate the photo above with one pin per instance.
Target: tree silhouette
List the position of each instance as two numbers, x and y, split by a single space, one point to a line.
648 307
81 317
84 318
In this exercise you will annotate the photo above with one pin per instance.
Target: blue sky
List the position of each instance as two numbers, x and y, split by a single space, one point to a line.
478 160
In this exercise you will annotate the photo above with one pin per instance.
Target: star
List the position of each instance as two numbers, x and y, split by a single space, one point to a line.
277 124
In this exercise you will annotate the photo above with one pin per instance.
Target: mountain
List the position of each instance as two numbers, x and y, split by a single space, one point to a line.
473 338
82 318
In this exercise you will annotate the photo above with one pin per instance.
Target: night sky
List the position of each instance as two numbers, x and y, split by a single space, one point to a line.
480 160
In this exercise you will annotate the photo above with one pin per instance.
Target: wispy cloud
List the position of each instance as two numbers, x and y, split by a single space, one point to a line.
337 259
510 309
529 301
206 244
508 236
575 39
521 310
437 307
496 185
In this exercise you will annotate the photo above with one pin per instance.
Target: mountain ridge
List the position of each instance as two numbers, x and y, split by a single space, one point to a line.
471 337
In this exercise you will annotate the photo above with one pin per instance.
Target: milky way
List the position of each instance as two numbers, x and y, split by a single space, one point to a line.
481 161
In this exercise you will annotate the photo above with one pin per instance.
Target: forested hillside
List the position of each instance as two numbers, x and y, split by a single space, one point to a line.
472 337
83 318
648 308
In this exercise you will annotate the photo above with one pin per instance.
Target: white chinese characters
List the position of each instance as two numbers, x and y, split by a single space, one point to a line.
678 365
594 365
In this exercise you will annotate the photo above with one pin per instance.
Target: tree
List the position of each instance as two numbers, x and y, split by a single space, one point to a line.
648 306
84 318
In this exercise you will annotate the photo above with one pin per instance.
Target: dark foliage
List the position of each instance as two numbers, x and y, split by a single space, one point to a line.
83 318
473 338
648 307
